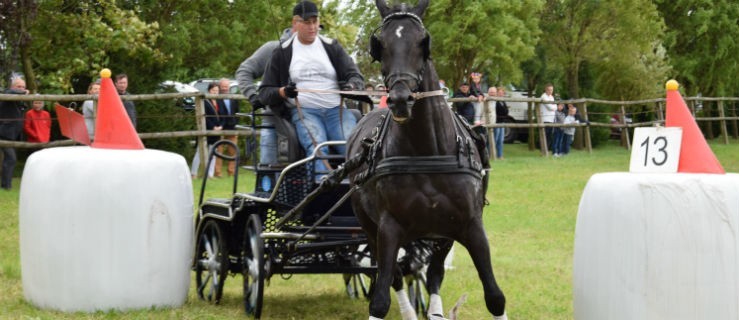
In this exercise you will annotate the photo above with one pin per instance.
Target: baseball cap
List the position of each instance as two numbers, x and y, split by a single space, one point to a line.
305 9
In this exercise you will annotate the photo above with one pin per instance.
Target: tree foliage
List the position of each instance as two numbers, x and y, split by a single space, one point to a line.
493 37
619 39
702 44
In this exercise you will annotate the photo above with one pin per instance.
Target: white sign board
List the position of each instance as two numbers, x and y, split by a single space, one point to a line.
656 149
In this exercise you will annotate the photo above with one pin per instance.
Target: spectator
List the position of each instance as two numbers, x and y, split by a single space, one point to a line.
477 89
230 108
121 84
11 126
308 60
559 117
547 112
383 99
465 108
213 121
251 69
501 110
569 132
88 109
38 123
367 107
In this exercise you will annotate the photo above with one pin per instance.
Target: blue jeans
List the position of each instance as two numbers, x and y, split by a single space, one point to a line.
567 142
8 166
557 142
499 134
324 124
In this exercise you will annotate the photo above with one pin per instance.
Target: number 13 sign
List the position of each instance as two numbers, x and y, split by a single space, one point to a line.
656 149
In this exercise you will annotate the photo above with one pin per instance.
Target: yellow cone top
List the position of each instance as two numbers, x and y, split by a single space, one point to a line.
105 73
672 85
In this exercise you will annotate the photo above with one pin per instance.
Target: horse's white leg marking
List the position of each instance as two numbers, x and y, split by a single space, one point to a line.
503 317
406 310
435 305
373 318
397 31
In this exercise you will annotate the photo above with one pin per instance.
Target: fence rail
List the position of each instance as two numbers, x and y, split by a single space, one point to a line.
724 105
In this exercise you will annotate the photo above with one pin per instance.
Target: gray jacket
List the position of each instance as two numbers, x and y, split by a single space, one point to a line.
253 67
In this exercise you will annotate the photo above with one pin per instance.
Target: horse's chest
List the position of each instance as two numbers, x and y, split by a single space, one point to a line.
428 194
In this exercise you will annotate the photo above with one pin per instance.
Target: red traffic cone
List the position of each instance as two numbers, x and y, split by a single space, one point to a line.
113 128
695 154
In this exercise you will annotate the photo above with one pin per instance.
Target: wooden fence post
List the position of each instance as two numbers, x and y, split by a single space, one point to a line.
625 129
588 139
660 114
532 130
542 134
735 127
724 131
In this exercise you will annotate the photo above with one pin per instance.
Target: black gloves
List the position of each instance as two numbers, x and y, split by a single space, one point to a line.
256 104
291 91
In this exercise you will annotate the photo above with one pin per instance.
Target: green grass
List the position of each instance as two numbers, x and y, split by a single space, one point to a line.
530 223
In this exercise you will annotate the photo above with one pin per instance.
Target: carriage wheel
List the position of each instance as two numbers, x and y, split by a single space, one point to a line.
359 283
253 267
211 268
417 293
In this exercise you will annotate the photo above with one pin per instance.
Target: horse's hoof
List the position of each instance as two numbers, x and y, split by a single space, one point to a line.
437 317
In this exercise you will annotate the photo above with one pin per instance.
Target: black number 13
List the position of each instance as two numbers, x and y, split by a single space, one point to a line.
658 140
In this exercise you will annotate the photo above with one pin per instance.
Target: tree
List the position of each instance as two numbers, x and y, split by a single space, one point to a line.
609 35
86 34
702 43
490 36
16 19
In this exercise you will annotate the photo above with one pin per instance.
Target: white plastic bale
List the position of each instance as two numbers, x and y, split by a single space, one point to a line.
657 246
105 229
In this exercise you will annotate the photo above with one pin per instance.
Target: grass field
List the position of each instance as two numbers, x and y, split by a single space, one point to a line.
530 223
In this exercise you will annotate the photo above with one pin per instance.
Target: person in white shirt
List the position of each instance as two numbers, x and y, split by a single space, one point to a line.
547 112
308 60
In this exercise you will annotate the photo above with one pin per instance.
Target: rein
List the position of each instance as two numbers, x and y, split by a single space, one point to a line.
416 95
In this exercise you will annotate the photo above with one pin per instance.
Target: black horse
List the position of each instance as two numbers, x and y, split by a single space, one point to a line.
422 175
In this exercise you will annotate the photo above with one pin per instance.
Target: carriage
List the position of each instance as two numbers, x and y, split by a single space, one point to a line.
287 226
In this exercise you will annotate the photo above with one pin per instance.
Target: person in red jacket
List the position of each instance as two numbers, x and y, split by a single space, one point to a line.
38 123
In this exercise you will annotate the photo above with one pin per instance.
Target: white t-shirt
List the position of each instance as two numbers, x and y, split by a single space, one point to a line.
547 109
311 68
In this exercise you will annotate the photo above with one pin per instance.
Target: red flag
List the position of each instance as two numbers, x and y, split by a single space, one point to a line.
695 154
72 124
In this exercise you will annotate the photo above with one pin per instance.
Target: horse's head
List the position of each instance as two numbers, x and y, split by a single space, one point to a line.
402 45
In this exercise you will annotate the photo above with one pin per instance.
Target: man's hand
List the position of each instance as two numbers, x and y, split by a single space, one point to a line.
256 104
347 87
290 90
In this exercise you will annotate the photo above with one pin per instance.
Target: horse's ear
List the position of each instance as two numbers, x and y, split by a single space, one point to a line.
426 44
383 7
375 48
421 7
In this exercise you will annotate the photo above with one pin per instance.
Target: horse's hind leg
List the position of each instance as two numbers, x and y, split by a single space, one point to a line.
435 275
476 243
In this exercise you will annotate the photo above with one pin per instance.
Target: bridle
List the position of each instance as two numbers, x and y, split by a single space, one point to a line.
405 78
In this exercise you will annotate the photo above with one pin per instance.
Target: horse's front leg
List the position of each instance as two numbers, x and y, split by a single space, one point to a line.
476 243
434 277
388 243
